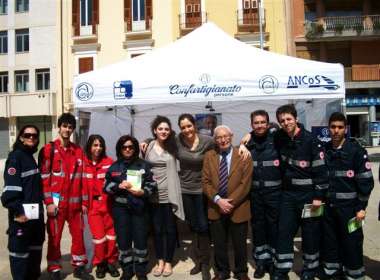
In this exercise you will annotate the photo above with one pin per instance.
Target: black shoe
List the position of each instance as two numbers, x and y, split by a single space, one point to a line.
81 273
279 277
101 270
196 269
113 270
259 272
205 269
142 277
56 275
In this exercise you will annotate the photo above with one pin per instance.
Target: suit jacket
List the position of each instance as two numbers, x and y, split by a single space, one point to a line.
238 187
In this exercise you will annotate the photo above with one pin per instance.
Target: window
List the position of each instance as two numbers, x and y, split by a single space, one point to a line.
22 81
86 7
86 64
138 7
22 40
3 42
3 82
3 7
42 79
22 6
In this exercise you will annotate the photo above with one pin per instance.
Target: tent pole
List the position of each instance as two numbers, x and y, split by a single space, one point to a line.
132 113
261 25
76 136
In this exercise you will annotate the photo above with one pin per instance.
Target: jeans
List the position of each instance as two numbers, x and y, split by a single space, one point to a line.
195 212
165 231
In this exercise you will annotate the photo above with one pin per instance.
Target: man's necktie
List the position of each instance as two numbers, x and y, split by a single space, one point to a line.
223 175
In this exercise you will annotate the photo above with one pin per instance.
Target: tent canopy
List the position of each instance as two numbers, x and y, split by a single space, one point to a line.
207 65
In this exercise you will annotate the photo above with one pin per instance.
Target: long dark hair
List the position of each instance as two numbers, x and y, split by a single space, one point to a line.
90 141
120 143
170 143
18 144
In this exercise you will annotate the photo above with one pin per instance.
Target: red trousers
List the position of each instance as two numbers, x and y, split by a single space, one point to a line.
54 230
103 233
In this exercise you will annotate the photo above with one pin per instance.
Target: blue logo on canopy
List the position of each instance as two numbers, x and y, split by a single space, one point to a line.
123 89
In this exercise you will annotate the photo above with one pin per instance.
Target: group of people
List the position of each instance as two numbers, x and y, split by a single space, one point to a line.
276 181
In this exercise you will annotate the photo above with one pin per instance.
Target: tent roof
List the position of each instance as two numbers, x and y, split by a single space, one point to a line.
207 65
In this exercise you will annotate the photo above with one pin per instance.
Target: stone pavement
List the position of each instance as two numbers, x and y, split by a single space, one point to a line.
183 263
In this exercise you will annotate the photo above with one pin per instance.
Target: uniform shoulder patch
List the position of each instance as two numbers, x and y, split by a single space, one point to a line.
11 171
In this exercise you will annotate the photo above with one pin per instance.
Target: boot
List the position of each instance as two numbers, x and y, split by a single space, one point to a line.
111 268
100 271
205 269
259 271
81 273
55 275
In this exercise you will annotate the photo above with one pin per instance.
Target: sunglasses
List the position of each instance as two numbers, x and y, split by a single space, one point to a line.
127 147
30 135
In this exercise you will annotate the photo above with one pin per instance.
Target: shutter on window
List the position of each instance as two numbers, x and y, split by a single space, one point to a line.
86 64
128 14
95 15
75 17
148 13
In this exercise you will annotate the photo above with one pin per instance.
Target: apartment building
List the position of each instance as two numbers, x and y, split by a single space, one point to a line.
97 33
346 32
29 68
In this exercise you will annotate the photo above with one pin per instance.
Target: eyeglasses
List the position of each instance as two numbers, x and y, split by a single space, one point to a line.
127 147
221 138
30 135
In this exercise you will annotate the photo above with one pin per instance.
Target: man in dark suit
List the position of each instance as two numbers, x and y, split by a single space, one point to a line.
226 181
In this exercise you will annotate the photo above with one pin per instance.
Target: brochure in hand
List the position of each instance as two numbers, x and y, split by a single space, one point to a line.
134 177
309 211
353 224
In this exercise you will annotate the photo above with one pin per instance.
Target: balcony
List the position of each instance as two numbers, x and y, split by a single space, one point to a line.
20 104
136 30
248 21
345 26
85 34
189 21
362 73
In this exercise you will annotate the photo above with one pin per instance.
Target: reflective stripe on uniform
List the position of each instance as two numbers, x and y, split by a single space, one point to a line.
75 199
322 186
47 194
12 188
363 175
126 259
87 175
84 197
285 256
106 166
311 257
99 241
264 256
302 182
76 176
44 176
343 173
140 252
348 195
311 265
283 265
300 163
140 259
19 255
330 268
58 174
354 272
318 162
111 237
122 200
101 175
267 183
29 173
267 163
110 186
79 257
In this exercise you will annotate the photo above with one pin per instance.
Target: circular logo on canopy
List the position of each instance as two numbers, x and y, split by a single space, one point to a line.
84 91
268 83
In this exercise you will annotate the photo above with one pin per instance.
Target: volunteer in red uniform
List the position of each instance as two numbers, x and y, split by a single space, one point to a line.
96 165
61 164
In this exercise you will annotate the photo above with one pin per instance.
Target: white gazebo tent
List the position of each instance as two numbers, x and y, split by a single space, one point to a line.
205 70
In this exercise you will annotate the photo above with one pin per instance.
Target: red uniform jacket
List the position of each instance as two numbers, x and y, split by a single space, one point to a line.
63 175
93 178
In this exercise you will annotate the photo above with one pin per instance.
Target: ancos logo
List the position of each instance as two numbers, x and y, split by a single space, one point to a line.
317 81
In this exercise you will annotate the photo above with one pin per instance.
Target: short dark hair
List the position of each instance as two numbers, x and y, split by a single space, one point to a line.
170 143
286 109
337 117
18 142
188 117
121 142
67 118
90 141
260 113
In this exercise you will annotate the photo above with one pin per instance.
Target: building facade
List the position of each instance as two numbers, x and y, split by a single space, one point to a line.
346 32
29 68
97 33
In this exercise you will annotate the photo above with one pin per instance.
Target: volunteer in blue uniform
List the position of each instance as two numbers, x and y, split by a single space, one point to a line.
129 206
351 183
305 181
23 190
265 192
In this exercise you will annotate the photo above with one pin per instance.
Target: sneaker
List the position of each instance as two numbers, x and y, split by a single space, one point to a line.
81 273
101 270
55 275
259 272
113 270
